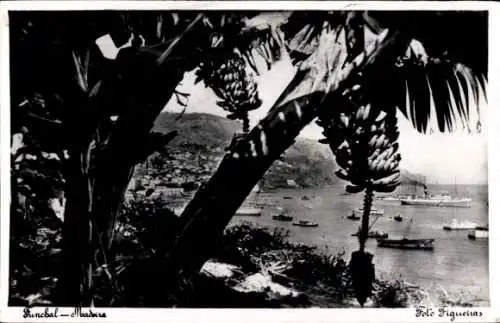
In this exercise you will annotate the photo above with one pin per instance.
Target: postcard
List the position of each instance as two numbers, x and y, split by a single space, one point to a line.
277 161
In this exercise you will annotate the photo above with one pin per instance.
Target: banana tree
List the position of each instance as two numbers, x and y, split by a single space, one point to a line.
363 140
326 74
364 136
79 98
369 160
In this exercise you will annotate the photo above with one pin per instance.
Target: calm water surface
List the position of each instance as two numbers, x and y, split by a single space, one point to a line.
457 265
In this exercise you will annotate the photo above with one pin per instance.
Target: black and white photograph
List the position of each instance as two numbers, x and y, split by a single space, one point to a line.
258 159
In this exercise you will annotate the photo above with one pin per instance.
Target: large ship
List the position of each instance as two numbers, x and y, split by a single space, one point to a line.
391 198
418 244
443 200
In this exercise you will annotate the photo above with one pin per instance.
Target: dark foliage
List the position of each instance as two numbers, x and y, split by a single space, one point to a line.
249 246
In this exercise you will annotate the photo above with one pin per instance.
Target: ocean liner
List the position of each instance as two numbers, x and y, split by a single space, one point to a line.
442 200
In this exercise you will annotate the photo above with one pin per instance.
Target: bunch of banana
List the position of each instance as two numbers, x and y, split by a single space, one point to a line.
364 142
384 157
236 88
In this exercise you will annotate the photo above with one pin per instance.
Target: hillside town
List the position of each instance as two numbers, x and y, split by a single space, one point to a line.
174 175
177 174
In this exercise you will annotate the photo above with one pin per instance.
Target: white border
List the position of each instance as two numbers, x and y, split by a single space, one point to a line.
248 5
494 152
4 160
283 315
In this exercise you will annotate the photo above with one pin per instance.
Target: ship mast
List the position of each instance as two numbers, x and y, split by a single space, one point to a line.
373 223
426 191
407 229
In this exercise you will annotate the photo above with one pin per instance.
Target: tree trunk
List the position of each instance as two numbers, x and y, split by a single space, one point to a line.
130 142
99 169
367 206
76 272
213 206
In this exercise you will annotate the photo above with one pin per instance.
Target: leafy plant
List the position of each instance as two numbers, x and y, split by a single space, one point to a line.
35 232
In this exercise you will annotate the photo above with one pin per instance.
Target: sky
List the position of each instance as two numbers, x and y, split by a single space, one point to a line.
443 158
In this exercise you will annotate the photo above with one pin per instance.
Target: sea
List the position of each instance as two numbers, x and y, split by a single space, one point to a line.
457 268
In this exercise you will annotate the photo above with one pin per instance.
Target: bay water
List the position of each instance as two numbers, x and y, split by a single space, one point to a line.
457 267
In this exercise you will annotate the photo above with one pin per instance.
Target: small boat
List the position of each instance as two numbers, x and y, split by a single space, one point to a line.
405 243
282 216
373 234
455 225
398 218
478 233
249 206
305 223
305 198
249 211
353 216
287 197
373 211
417 244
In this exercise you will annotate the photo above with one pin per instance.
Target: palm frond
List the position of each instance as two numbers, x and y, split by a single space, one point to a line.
438 96
303 30
268 34
456 105
329 65
81 71
169 49
316 72
439 83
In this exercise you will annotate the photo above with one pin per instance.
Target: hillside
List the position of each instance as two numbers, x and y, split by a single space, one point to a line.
202 138
307 162
412 178
197 131
205 136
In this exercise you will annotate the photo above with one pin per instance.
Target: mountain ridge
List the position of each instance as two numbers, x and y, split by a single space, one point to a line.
307 162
